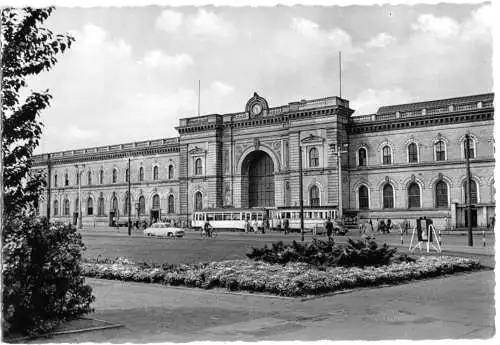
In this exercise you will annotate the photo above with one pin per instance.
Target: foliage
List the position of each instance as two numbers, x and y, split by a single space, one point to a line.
292 279
325 253
42 276
27 50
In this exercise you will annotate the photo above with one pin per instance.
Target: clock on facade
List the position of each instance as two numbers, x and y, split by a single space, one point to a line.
256 109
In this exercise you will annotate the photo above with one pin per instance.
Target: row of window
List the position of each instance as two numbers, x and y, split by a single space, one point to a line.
141 206
414 195
114 176
440 153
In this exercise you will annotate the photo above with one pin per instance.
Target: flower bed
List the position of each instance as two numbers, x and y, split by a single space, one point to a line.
294 279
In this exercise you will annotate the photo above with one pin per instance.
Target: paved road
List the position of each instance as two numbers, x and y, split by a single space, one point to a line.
460 306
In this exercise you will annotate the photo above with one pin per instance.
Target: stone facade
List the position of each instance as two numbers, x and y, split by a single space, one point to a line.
214 154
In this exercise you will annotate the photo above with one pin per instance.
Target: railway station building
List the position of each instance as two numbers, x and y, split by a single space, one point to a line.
403 162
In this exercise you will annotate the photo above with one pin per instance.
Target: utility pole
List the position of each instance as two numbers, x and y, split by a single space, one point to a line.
49 181
129 206
468 189
80 225
301 194
339 173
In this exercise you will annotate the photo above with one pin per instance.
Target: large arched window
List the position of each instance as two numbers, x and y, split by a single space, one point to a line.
171 204
386 155
170 172
198 167
114 204
101 176
56 208
413 195
55 180
115 175
314 196
412 153
156 202
441 194
155 172
313 157
89 178
440 150
100 206
362 157
66 179
473 192
388 195
66 207
198 201
90 207
141 174
142 205
363 198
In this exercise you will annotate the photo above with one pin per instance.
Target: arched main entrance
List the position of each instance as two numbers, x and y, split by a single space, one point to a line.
258 180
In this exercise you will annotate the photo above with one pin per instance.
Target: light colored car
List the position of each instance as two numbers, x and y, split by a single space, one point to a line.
164 230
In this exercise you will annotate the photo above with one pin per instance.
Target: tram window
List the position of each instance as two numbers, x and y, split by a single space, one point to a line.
259 216
235 216
227 216
210 216
218 216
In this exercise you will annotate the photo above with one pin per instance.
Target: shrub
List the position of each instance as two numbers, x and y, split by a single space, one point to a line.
42 277
325 253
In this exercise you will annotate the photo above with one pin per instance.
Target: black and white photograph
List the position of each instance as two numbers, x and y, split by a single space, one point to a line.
192 171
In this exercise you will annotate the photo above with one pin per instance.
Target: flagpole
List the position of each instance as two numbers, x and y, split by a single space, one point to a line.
340 74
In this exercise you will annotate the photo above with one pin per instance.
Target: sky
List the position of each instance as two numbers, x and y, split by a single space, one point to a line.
133 72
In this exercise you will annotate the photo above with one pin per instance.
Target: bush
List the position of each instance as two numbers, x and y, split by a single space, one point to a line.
325 253
42 277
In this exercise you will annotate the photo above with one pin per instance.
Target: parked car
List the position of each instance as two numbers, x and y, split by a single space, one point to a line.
164 230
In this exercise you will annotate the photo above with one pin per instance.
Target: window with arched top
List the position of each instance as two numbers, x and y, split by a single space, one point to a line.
101 176
142 205
363 198
413 195
141 174
473 192
472 148
198 201
362 157
56 208
66 179
412 153
386 155
155 172
314 196
90 207
170 172
441 194
100 206
89 178
171 204
440 150
313 157
115 175
114 204
55 180
198 167
66 207
156 202
388 196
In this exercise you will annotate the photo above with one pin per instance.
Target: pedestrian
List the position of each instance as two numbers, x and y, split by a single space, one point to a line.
381 226
265 226
247 225
388 227
286 224
371 225
329 228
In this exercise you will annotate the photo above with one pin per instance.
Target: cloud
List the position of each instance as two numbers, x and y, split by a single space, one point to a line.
169 21
479 26
381 40
208 24
369 100
74 132
220 88
94 40
157 58
441 27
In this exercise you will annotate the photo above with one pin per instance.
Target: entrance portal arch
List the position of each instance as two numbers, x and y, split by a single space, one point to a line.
257 180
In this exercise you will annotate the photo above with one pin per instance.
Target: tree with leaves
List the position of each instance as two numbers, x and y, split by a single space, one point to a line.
27 50
41 263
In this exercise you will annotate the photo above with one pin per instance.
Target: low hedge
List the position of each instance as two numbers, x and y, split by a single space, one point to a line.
293 279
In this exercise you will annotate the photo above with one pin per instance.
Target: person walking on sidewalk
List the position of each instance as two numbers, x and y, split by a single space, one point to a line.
329 228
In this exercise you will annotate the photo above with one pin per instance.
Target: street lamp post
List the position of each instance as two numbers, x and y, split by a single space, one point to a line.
129 206
338 152
80 225
468 188
301 195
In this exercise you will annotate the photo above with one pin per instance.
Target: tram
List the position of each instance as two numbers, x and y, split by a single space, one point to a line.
314 217
230 219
